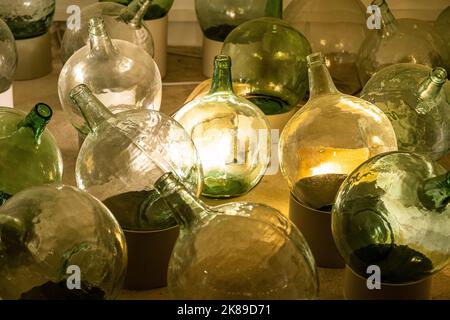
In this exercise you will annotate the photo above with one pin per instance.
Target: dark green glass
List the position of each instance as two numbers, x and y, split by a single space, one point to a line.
158 8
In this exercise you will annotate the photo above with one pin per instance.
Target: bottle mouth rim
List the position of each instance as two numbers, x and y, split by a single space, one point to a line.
438 75
43 110
315 58
78 90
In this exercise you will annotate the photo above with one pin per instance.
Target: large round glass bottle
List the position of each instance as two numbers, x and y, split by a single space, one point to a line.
121 75
52 233
396 41
328 138
29 155
335 28
123 23
231 135
235 251
416 99
269 61
125 154
8 57
393 212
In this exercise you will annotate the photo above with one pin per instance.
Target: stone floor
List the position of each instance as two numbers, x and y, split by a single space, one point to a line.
184 73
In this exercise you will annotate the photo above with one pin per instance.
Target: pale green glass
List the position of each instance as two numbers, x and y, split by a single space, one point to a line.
328 138
235 251
416 100
125 154
123 23
28 19
29 155
158 8
442 30
218 18
121 75
48 233
393 212
8 57
231 134
269 61
397 41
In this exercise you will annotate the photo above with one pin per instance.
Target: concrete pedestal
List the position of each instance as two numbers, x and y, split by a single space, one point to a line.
35 57
211 49
158 29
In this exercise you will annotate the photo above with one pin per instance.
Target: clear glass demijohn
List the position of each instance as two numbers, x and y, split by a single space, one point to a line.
416 99
48 234
269 61
231 134
124 23
393 212
28 19
335 28
29 155
218 18
125 154
121 75
235 251
396 41
8 57
157 10
328 138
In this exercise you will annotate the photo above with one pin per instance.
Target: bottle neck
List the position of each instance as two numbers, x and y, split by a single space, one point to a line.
37 120
222 80
430 90
92 110
320 81
274 8
134 13
186 207
434 193
388 21
99 41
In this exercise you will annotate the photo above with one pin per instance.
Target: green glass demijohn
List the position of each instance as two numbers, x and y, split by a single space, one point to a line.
396 41
123 23
235 251
416 99
218 18
125 153
29 155
8 57
269 61
231 134
393 212
157 10
28 19
52 233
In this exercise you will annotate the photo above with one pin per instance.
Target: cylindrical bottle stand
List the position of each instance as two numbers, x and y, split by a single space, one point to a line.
356 288
315 226
158 29
6 98
211 48
35 57
148 257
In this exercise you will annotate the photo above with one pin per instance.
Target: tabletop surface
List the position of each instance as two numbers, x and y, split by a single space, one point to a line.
183 75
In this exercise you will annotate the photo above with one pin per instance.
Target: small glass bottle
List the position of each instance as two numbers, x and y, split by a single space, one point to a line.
269 61
124 23
29 155
396 41
121 75
235 251
231 134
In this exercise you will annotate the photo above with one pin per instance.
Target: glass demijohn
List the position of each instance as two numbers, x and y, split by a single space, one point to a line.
29 155
231 135
396 41
416 99
121 75
125 154
393 212
8 57
123 23
235 251
328 138
48 234
335 28
157 10
27 19
269 61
